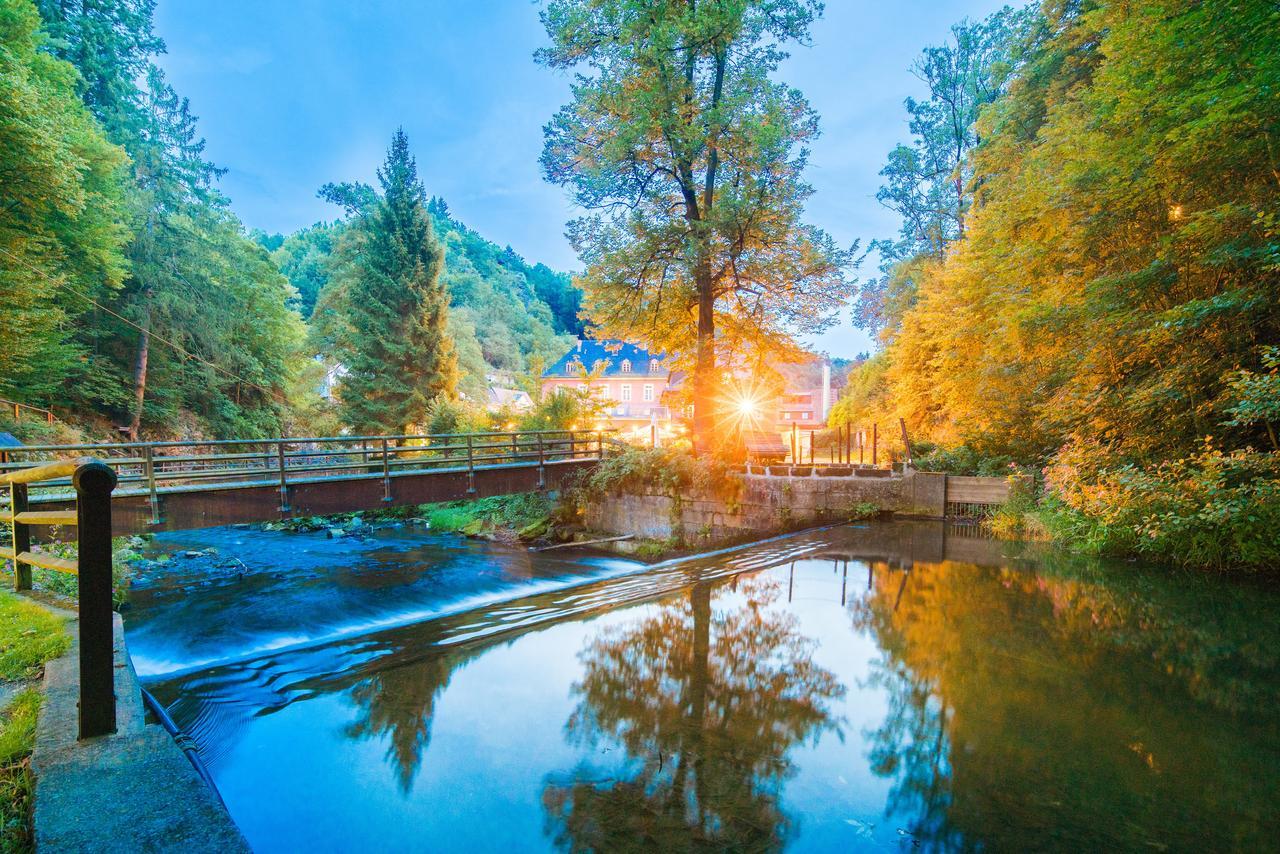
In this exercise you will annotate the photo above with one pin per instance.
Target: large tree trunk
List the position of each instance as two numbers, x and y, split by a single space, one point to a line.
704 372
140 376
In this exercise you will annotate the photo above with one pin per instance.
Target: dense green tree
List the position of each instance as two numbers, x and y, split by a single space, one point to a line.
688 159
303 258
200 323
60 204
396 346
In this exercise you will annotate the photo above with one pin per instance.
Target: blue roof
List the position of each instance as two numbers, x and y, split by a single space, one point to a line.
613 353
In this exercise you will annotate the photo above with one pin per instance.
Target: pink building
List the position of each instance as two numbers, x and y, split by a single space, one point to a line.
630 381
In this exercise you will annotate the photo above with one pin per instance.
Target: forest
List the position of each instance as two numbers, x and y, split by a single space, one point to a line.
1086 284
136 303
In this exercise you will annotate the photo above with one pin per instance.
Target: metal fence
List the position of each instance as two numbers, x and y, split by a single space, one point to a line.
152 468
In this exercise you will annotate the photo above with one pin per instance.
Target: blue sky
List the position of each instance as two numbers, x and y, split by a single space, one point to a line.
294 93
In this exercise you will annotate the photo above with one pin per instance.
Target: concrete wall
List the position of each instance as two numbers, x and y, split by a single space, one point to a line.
765 504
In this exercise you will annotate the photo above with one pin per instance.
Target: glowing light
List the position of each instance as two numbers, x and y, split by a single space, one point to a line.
747 407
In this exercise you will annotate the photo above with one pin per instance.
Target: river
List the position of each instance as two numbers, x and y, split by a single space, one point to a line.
862 687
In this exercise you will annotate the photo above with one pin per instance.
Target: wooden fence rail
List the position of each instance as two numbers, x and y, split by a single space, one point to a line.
93 481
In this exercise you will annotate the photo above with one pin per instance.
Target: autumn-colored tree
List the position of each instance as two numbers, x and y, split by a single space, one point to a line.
688 159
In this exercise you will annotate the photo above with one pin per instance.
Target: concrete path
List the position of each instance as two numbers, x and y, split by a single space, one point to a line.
130 791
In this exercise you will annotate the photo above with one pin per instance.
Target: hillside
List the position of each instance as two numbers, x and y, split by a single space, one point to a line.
508 316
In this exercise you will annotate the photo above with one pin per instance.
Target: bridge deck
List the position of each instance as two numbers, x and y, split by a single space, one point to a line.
173 486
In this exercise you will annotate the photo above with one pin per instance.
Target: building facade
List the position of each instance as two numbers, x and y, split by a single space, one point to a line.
630 382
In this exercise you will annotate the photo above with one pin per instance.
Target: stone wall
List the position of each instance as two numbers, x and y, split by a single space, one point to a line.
764 504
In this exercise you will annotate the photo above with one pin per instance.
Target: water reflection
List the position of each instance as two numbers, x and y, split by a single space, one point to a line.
874 687
706 702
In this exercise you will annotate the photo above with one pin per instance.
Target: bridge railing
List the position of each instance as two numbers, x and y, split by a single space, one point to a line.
93 482
155 467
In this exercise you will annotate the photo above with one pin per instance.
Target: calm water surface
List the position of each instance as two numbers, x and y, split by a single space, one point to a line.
858 688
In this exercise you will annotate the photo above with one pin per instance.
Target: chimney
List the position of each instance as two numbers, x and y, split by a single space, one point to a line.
826 389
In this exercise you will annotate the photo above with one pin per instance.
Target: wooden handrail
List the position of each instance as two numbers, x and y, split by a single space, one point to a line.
48 471
93 481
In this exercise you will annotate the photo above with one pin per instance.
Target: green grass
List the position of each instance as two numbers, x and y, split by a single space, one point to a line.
516 512
29 636
17 785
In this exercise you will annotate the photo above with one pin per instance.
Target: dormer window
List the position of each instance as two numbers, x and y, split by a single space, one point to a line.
626 366
653 366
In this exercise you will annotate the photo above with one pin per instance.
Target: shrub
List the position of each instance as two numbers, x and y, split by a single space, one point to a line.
1214 509
667 471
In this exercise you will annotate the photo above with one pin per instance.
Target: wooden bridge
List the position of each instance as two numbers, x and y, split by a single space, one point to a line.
180 485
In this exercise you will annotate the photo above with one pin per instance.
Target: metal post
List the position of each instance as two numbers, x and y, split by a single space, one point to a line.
284 486
21 536
600 444
386 472
515 448
875 444
93 483
794 445
862 446
149 471
542 464
471 467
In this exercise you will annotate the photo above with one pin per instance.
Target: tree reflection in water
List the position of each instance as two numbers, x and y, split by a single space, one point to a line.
1106 707
705 698
399 702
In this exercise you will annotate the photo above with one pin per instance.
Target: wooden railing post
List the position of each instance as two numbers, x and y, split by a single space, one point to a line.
94 481
875 444
21 536
149 471
284 484
542 464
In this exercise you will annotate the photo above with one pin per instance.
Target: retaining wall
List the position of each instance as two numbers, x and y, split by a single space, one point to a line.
766 503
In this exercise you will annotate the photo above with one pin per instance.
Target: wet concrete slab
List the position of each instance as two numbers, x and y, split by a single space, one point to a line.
133 790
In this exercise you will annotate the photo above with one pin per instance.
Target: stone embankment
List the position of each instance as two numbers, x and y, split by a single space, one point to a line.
770 500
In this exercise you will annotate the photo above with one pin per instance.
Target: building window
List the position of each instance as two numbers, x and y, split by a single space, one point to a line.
786 416
804 416
653 366
584 387
626 366
626 391
648 393
602 391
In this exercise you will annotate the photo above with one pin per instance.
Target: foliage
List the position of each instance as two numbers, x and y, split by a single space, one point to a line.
60 209
1106 272
516 512
17 784
394 343
1217 509
505 316
667 471
194 320
29 636
303 258
688 158
1258 396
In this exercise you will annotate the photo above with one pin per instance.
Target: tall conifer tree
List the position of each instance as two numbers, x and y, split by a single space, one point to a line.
399 355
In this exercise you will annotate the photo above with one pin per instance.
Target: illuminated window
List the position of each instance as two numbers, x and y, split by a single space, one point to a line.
626 389
653 366
648 392
786 416
626 366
